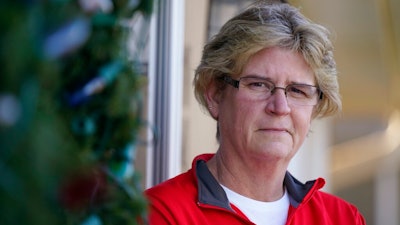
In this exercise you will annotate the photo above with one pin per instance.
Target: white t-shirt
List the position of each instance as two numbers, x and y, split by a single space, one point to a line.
261 213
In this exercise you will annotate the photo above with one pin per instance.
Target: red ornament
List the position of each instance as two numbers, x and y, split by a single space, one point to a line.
84 189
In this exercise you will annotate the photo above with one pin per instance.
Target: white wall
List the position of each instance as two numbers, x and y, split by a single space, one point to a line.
198 128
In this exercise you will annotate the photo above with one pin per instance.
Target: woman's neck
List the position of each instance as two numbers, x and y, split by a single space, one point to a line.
262 182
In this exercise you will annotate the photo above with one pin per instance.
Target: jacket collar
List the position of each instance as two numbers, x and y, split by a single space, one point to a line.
211 193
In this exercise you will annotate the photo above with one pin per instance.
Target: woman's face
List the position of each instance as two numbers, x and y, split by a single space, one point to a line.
270 128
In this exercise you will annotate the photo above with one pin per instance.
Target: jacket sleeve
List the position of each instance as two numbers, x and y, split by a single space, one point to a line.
159 213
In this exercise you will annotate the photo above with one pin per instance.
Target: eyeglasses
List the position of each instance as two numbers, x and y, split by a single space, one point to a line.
262 89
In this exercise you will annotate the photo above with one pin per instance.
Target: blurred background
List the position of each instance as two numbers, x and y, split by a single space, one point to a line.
357 152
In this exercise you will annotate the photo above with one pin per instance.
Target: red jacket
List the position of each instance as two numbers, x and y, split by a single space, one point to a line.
196 198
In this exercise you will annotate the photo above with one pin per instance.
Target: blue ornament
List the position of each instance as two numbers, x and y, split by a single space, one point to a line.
107 75
84 126
92 220
67 39
10 110
124 167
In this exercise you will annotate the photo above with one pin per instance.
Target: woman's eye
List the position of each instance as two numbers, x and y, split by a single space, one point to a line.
261 86
297 91
258 84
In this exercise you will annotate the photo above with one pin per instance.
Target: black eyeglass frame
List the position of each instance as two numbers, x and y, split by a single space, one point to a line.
236 83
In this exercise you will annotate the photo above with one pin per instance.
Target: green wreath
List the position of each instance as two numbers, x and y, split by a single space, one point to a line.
70 111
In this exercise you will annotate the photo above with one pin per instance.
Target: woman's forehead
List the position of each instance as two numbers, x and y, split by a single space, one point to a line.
275 63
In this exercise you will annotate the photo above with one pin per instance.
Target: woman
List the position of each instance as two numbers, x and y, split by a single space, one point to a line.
264 77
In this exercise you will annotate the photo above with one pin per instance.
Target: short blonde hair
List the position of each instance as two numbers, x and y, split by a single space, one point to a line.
265 25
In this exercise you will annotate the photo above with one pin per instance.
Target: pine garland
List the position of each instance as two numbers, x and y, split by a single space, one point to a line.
70 111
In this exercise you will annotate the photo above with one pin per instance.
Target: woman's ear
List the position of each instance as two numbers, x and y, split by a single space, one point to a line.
213 97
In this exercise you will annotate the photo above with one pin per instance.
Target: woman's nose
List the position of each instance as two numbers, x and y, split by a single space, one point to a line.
277 102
